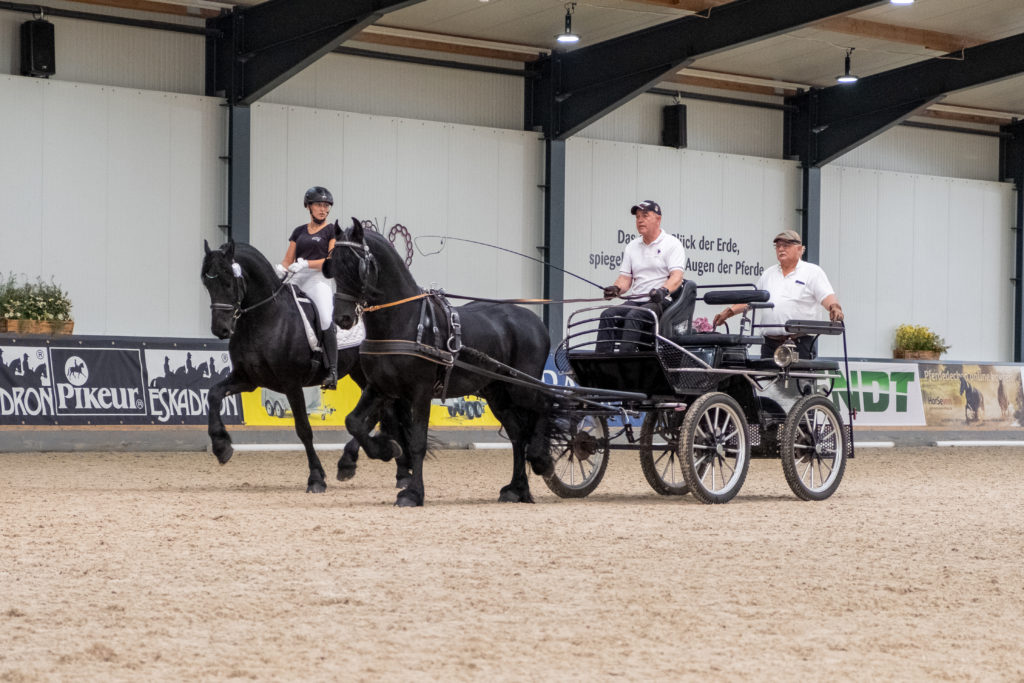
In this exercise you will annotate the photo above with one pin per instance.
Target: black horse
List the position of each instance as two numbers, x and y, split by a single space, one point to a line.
974 400
268 348
411 353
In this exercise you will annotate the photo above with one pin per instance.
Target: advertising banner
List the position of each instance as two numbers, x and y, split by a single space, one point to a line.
984 397
264 407
97 381
883 394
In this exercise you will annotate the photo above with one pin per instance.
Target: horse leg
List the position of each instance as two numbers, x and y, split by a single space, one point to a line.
361 421
220 440
413 494
347 461
394 422
317 482
517 490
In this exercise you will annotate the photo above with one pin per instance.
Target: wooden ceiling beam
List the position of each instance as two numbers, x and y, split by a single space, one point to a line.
930 40
155 6
382 35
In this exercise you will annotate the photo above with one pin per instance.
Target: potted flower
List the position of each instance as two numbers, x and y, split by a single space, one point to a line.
34 307
917 342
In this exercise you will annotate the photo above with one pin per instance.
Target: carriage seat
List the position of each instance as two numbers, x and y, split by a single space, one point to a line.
677 317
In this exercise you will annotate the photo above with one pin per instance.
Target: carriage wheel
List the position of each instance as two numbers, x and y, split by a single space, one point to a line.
270 408
715 449
581 457
660 463
278 409
813 448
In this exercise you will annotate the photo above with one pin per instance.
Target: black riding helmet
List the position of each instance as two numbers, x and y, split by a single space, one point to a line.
317 194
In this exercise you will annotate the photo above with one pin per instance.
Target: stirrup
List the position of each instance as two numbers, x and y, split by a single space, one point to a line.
331 382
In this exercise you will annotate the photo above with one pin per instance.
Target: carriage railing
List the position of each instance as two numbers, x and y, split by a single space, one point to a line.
688 368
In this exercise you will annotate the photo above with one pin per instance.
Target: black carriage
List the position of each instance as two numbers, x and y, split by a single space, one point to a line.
707 406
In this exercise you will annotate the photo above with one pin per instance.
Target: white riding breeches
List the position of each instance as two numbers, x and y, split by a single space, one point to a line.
318 288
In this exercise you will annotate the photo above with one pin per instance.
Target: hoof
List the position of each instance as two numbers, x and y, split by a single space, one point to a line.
224 453
346 472
316 487
511 495
396 449
379 452
407 500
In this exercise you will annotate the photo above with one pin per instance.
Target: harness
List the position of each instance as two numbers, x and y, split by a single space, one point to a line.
445 330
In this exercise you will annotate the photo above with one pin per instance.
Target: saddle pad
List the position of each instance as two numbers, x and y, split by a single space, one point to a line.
352 337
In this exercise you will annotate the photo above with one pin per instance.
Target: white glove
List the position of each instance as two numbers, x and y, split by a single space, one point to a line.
299 265
280 270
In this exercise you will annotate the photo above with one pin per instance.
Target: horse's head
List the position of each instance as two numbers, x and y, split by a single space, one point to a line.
354 269
963 386
223 279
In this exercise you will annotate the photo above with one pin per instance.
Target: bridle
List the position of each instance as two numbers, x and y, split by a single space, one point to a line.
238 288
368 274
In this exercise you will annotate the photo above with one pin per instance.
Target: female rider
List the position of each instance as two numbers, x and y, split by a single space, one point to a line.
308 246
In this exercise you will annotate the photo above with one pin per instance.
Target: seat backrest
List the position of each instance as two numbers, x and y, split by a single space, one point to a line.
677 317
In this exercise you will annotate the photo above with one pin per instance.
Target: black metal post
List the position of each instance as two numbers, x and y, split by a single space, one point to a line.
239 153
810 213
554 235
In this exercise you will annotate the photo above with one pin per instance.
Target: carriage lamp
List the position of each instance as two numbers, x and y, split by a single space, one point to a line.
786 355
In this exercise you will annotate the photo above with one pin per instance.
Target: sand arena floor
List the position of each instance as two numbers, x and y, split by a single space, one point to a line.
168 566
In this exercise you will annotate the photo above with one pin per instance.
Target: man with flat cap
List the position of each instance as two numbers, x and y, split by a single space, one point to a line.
797 288
652 268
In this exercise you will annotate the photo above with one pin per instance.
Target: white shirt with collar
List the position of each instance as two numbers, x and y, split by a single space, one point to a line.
650 264
796 296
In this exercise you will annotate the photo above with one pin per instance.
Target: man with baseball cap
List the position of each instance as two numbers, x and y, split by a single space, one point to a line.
797 288
652 268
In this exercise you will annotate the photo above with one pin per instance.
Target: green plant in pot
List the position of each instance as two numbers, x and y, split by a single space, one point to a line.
34 306
918 342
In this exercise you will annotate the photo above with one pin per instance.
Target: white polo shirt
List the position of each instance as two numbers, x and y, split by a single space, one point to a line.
796 296
650 264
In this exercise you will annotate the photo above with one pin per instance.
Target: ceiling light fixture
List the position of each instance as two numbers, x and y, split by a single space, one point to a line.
568 36
847 77
901 2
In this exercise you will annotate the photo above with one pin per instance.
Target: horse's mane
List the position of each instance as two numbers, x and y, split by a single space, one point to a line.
253 260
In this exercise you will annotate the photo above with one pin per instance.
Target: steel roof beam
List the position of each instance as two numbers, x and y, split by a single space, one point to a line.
830 122
576 88
262 46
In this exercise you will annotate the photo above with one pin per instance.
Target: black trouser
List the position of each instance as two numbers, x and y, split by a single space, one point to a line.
629 325
806 346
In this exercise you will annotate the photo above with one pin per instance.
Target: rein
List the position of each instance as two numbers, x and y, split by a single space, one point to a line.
236 308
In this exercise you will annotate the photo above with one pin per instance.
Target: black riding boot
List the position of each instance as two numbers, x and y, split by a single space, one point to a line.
331 347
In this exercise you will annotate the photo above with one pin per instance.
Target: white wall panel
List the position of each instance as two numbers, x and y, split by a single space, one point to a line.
924 250
74 146
120 188
112 54
434 178
711 126
917 150
21 174
384 87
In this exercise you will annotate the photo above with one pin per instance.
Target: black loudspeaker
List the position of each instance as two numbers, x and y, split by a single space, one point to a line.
37 49
673 126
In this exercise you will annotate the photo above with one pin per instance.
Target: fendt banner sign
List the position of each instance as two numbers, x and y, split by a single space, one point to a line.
95 381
